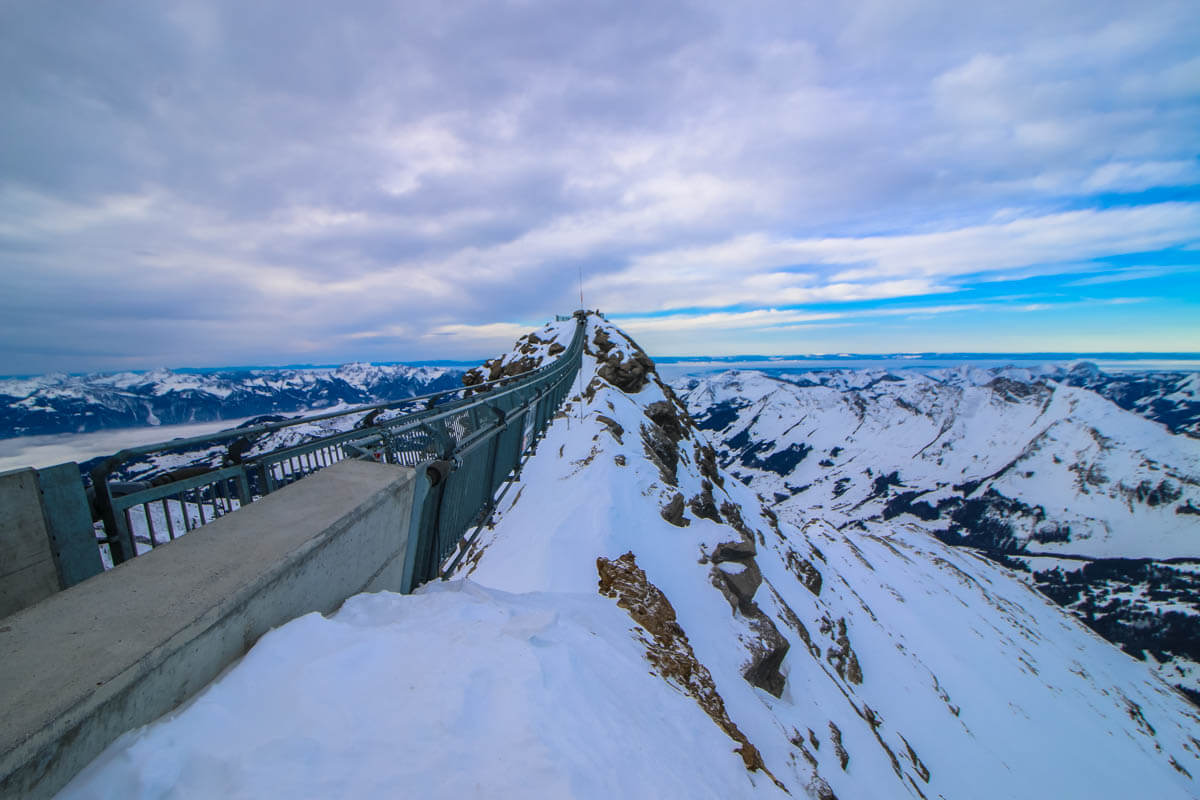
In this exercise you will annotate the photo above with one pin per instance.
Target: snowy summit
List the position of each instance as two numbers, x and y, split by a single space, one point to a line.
638 623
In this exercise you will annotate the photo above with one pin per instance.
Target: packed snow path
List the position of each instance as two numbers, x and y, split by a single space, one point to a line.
886 665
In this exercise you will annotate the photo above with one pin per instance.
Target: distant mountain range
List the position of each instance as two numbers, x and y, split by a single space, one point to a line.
63 403
1086 482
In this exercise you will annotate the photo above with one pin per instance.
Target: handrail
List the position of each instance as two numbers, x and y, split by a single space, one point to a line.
451 433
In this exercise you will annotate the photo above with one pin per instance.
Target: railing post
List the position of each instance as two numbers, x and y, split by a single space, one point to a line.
243 488
117 533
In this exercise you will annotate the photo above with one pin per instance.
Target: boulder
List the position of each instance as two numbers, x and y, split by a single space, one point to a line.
672 512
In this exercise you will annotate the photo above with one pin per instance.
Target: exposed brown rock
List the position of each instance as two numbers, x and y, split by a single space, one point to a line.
918 764
773 521
793 622
619 460
818 787
873 719
703 505
602 341
706 459
835 734
797 740
613 427
627 367
733 515
664 415
589 391
663 452
622 363
496 369
555 349
679 404
842 656
518 366
669 651
803 569
738 581
767 652
672 512
629 375
734 551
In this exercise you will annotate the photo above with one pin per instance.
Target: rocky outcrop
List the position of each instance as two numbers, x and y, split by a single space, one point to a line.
840 655
527 356
662 451
666 416
612 425
626 367
706 460
803 569
767 649
668 650
737 575
738 581
499 368
672 512
734 551
703 505
835 735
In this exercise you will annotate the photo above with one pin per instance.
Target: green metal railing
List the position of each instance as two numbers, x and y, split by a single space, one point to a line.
466 441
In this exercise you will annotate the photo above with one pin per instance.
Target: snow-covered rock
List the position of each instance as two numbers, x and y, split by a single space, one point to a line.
530 352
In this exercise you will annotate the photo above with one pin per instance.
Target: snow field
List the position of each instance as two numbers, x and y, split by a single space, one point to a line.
456 691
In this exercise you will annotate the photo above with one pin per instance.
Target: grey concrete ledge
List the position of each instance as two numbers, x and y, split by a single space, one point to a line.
120 649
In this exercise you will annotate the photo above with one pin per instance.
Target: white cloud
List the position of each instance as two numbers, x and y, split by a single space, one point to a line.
491 332
1135 177
289 175
1130 274
745 269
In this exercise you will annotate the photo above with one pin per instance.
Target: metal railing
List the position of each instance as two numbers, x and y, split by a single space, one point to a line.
467 446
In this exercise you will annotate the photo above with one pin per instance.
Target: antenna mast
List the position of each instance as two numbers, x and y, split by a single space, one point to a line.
581 287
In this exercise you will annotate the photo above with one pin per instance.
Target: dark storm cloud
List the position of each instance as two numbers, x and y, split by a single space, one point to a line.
305 181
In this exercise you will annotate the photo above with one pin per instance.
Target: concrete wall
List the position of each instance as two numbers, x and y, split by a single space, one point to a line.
121 649
27 572
46 538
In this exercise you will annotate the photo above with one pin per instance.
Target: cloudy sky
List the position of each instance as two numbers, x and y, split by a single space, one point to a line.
211 183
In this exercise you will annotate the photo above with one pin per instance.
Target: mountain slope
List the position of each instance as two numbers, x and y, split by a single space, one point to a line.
910 642
1171 398
1045 476
636 623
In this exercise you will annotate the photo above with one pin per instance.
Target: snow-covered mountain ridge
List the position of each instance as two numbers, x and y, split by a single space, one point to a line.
636 622
63 403
1172 398
1092 499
